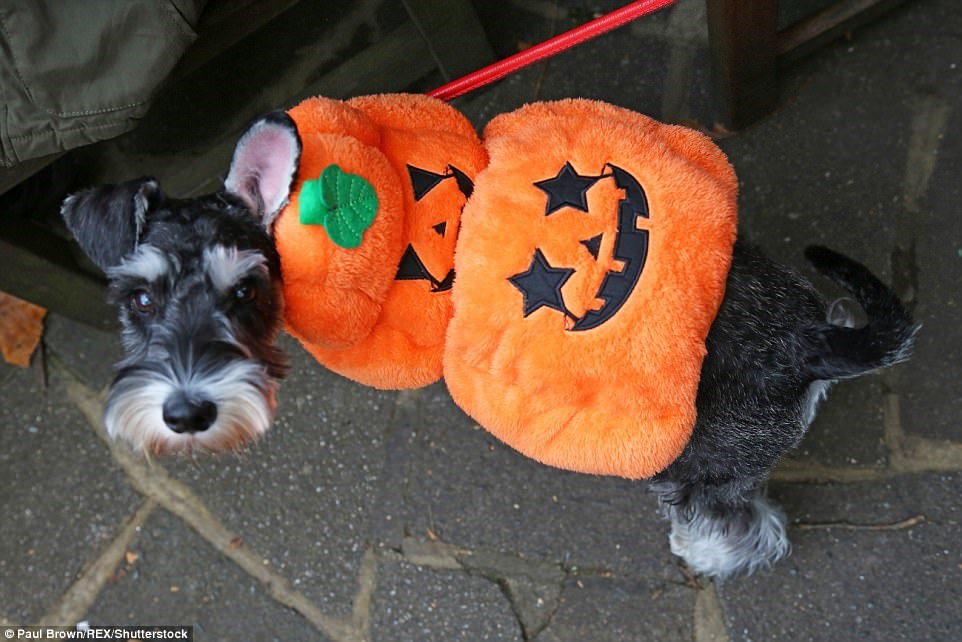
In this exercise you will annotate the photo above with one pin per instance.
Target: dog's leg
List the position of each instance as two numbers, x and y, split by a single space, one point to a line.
773 351
721 531
754 404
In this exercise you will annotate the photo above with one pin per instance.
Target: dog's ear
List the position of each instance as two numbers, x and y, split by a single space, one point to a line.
264 165
107 221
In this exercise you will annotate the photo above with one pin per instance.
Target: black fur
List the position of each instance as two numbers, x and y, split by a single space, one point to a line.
108 221
850 352
771 355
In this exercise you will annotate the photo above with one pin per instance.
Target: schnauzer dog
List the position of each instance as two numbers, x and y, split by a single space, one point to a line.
198 287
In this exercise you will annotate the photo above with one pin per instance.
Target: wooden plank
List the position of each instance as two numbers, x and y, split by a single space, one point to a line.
12 176
742 36
391 64
224 23
37 267
455 38
807 35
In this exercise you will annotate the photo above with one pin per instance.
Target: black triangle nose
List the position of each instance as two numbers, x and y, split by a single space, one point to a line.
183 415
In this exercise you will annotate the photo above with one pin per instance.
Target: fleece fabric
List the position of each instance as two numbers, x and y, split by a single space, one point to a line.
377 313
562 276
591 263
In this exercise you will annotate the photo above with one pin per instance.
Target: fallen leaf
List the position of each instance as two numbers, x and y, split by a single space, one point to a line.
21 326
131 558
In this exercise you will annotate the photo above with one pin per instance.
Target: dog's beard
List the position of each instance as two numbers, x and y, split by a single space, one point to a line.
243 394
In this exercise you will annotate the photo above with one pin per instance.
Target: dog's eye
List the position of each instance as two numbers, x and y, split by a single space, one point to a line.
245 293
141 301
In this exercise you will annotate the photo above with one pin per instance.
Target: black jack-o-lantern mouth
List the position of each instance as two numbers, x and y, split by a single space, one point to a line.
411 267
541 284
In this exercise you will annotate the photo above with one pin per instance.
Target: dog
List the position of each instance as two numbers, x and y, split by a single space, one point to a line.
197 285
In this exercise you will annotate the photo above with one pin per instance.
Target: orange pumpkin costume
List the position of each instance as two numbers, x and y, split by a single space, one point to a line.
377 313
590 264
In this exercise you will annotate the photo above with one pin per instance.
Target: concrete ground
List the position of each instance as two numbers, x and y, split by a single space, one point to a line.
368 515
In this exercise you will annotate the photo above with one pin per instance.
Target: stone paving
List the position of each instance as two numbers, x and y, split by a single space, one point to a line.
368 515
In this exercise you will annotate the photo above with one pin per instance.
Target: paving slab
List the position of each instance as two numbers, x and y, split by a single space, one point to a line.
61 498
849 429
831 167
88 352
303 496
414 603
932 400
533 587
876 561
171 576
468 489
598 608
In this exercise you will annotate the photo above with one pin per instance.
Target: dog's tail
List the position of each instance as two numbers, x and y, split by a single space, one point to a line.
885 340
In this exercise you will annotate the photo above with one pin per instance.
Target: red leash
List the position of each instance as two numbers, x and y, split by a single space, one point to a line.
548 48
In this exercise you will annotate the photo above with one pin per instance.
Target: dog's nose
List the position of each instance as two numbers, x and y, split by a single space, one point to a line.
185 415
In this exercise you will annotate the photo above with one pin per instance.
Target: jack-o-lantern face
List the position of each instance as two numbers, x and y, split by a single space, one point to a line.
423 183
405 162
541 284
591 261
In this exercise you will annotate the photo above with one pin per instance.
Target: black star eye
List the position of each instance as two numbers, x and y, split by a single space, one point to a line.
244 293
142 302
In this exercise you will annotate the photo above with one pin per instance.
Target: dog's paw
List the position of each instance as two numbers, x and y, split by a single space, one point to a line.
721 549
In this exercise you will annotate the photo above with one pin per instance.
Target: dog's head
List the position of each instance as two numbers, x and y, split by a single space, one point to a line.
197 286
